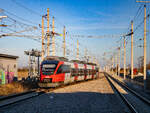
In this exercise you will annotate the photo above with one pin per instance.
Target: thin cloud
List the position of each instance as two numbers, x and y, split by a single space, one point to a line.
102 13
97 26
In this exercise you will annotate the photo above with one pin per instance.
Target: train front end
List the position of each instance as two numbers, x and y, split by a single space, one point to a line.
47 73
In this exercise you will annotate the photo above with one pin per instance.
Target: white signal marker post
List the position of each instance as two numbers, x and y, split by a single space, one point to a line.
116 63
86 54
132 50
124 58
145 46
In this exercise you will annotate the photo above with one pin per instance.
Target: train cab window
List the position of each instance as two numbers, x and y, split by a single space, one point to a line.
48 69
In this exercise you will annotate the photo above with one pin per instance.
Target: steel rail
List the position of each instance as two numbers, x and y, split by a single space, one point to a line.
130 106
15 98
145 100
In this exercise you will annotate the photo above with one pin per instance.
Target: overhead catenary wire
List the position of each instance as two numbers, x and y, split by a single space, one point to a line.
30 23
30 10
33 11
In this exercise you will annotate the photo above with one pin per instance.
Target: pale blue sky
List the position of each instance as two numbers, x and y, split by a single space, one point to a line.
84 17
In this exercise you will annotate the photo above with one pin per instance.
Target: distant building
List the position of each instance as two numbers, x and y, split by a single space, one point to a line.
8 68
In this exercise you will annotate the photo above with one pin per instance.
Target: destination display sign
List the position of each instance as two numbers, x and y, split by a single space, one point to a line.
49 66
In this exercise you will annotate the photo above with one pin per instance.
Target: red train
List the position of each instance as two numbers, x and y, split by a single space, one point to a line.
55 71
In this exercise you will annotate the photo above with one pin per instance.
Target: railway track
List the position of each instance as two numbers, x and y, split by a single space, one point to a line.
134 101
12 99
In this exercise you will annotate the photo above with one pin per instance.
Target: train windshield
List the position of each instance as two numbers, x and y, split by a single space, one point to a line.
48 68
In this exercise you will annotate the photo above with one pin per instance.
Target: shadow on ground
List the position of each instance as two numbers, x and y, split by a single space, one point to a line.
75 102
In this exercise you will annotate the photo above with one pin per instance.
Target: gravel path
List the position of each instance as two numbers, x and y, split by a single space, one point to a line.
94 96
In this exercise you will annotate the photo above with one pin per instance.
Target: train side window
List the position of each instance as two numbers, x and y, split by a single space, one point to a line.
71 72
82 72
85 72
74 72
96 69
63 69
59 69
90 72
79 72
66 68
94 72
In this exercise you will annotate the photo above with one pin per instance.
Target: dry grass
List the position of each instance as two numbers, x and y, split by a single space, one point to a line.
12 88
22 74
18 87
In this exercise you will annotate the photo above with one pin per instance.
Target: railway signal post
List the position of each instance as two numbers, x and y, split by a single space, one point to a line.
77 57
64 35
42 54
144 79
53 38
119 61
86 59
116 63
